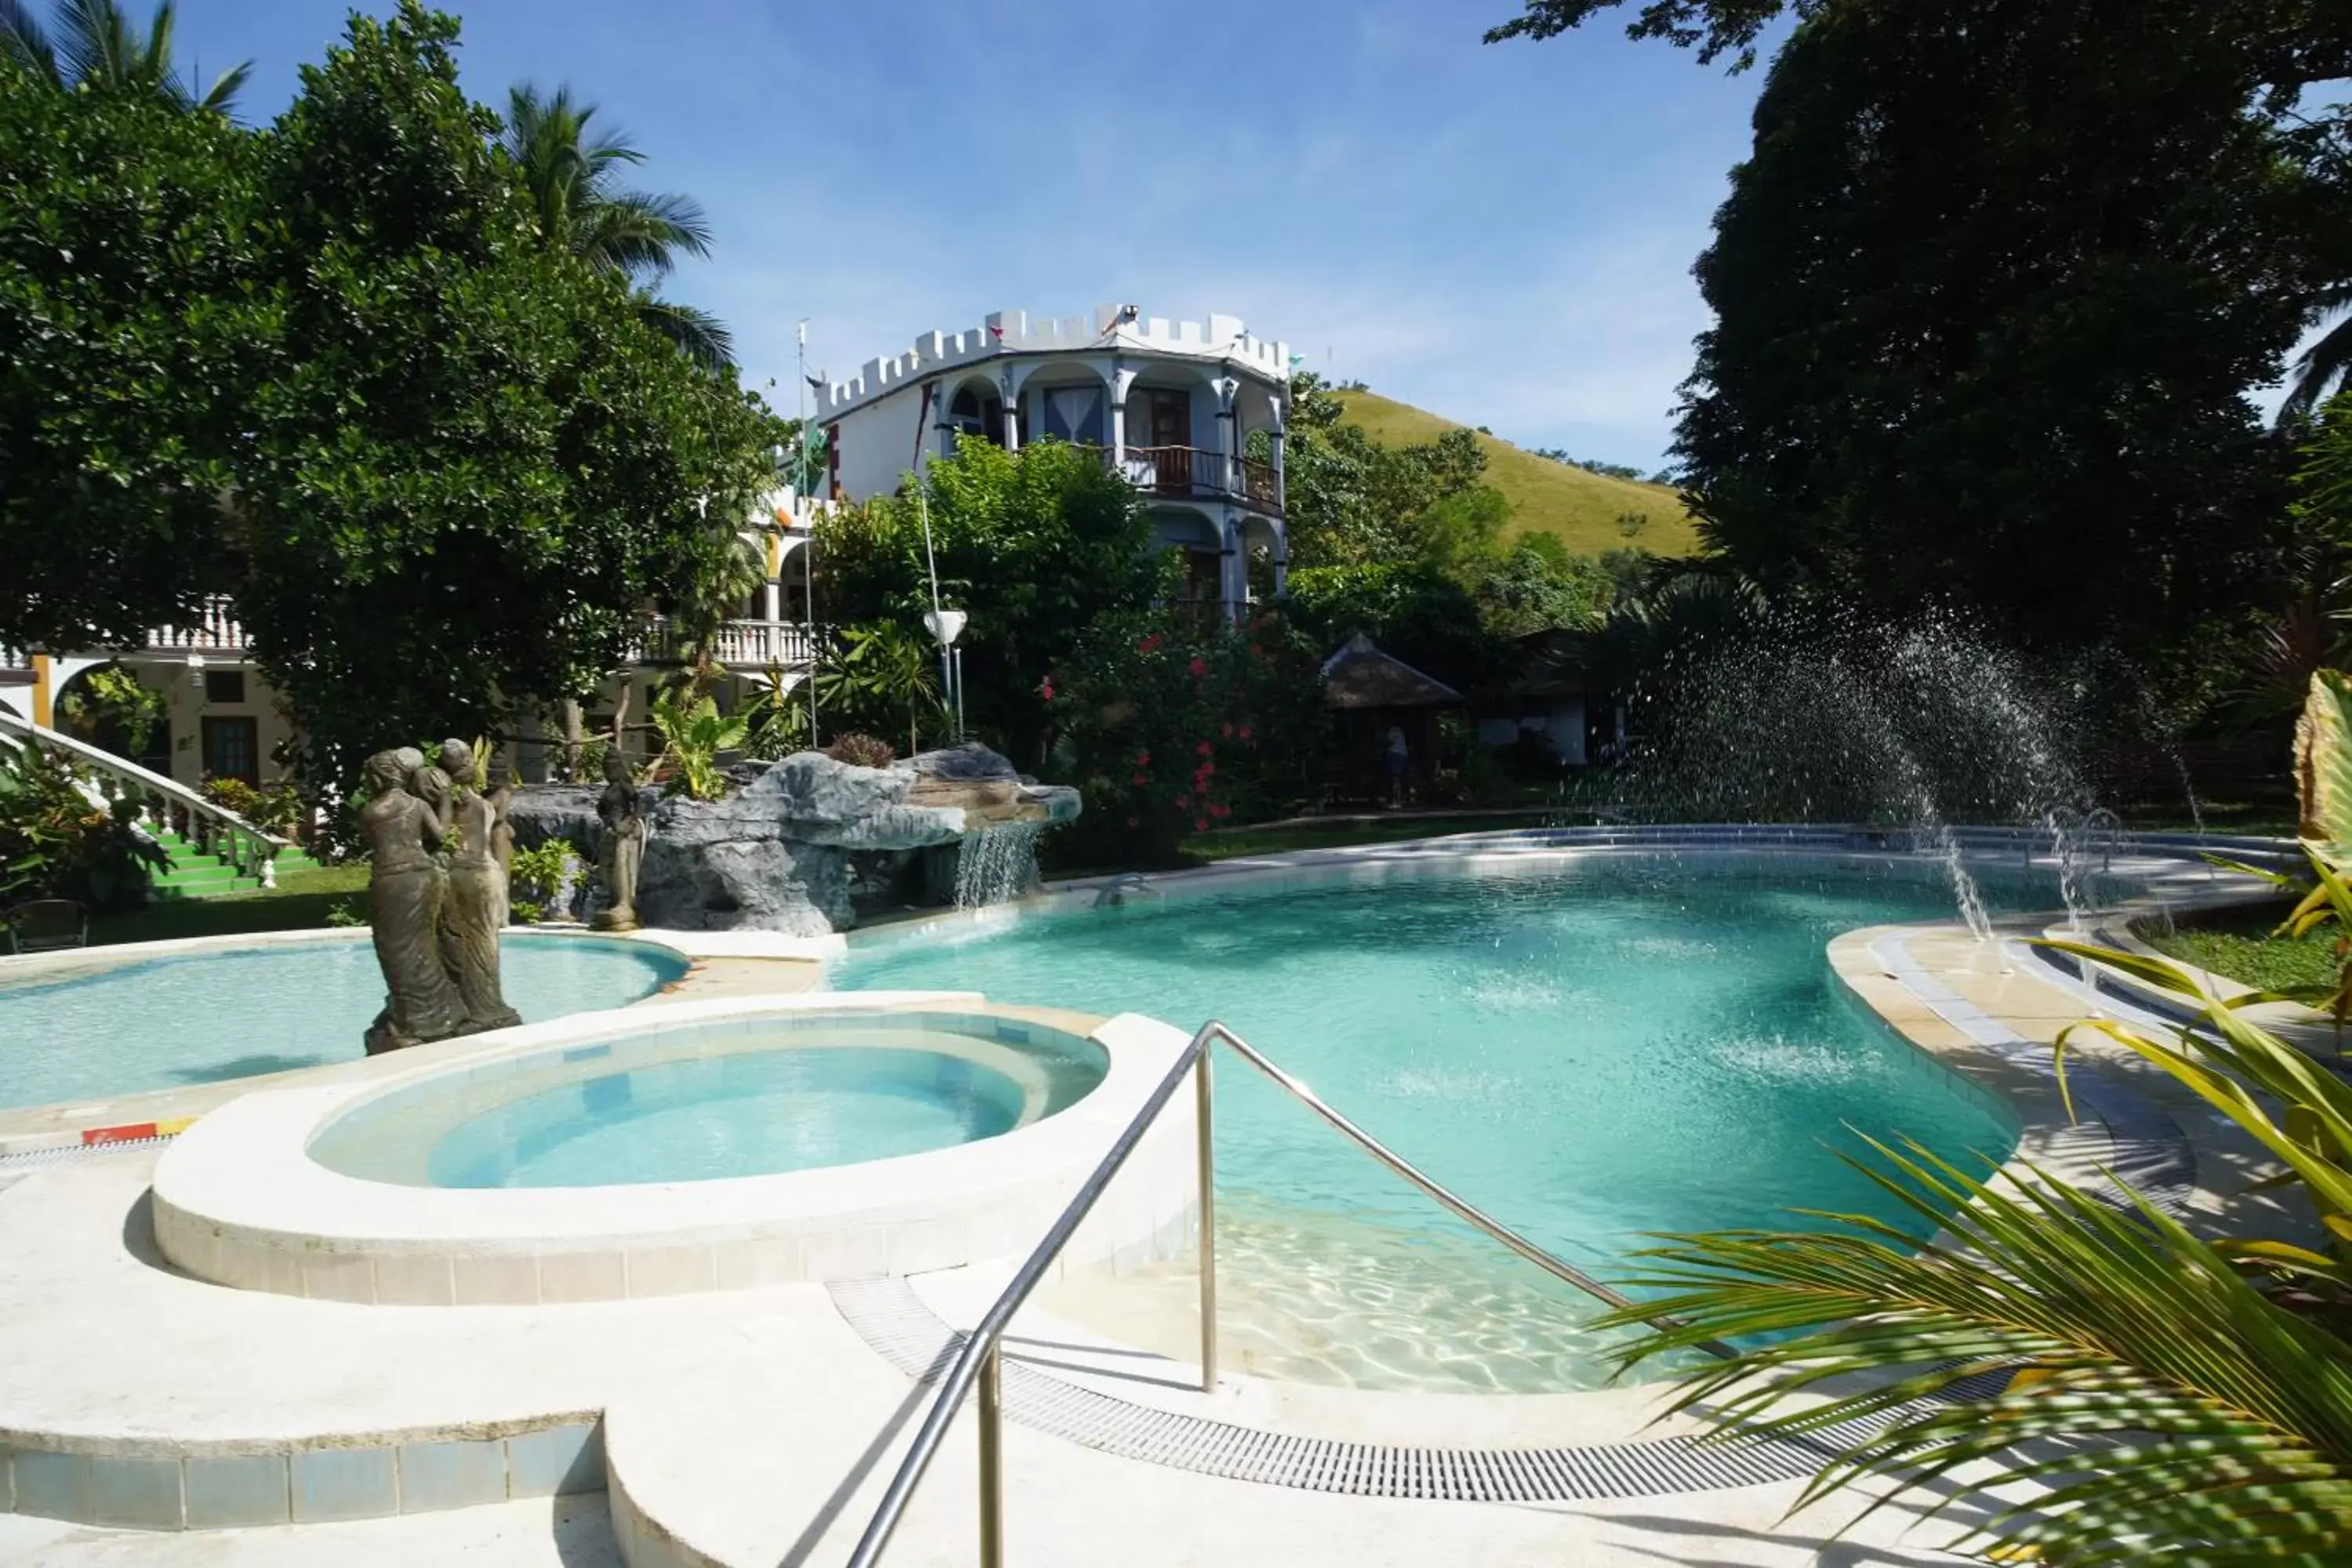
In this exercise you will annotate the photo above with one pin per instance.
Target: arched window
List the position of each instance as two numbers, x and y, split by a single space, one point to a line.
974 415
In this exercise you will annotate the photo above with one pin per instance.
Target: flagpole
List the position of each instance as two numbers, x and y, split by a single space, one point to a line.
800 486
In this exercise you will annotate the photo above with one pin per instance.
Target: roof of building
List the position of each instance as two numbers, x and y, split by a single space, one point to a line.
1551 664
1361 676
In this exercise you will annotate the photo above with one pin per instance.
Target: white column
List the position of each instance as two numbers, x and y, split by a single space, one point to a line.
1229 435
1274 457
1012 392
1234 576
1281 545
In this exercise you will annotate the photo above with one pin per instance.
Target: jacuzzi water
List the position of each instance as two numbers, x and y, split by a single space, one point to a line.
201 1017
1588 1051
757 1115
695 1103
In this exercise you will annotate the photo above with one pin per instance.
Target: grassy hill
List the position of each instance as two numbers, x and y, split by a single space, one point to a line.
1546 497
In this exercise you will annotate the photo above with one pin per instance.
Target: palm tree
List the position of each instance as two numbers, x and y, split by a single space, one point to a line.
635 236
98 49
2325 366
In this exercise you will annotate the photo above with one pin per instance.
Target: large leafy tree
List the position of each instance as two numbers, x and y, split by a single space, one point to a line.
1992 291
130 250
1034 544
97 48
470 466
572 172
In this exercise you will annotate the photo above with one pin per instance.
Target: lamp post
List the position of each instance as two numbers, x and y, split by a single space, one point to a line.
947 626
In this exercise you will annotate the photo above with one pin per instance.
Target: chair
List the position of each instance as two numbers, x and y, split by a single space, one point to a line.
43 925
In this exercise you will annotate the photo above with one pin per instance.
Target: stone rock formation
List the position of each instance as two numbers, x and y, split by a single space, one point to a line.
800 842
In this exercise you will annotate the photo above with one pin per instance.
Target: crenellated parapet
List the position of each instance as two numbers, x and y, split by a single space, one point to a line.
1111 328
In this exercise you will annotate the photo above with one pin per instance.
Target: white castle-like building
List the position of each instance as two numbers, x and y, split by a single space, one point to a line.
1191 412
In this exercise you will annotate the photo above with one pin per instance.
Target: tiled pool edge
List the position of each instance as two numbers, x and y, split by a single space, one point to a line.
109 1482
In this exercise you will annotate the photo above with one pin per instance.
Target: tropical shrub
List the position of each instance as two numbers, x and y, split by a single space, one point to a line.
1171 726
109 703
882 675
537 878
692 738
860 751
276 807
776 722
57 842
1036 542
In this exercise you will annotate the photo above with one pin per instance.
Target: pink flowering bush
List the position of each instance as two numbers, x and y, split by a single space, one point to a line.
1172 725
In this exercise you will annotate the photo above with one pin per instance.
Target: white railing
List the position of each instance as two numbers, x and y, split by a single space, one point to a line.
215 629
742 645
211 828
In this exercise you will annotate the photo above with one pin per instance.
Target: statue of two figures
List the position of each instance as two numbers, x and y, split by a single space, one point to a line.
436 895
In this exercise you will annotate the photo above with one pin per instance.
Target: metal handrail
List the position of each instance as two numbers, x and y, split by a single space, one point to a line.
979 1363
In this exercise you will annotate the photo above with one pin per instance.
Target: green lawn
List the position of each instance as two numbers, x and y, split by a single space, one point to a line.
1582 508
2243 948
301 899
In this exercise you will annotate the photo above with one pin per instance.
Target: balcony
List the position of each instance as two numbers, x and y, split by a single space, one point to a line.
215 629
1196 473
742 644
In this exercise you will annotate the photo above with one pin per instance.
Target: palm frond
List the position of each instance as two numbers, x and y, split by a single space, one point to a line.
22 40
2164 1408
638 235
699 334
221 96
2325 366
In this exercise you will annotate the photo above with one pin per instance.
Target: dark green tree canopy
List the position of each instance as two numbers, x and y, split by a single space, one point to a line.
130 252
333 368
1992 294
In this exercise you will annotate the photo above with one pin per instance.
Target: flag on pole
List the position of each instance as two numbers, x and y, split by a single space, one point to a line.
996 333
1297 359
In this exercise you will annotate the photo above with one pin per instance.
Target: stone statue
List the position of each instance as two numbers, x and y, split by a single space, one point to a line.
502 834
475 904
406 888
622 846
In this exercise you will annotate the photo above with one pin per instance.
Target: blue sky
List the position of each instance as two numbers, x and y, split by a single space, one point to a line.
1502 234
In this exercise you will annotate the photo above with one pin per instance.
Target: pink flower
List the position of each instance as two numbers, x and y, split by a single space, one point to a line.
1142 779
1221 810
1199 667
1246 731
1200 825
1047 689
1143 759
1183 802
1135 822
1148 644
1206 750
1227 730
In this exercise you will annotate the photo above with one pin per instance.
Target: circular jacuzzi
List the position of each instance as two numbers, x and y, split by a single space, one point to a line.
716 1145
758 1097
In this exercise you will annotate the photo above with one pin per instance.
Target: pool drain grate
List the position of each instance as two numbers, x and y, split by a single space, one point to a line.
898 1326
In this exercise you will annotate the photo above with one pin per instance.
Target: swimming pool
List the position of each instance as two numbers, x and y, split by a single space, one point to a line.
1587 1048
205 1016
688 1104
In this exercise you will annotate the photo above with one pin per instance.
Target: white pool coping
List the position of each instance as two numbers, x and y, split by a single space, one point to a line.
239 1200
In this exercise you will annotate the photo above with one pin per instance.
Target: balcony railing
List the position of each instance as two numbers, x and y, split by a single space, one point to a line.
742 645
215 630
1195 471
1258 483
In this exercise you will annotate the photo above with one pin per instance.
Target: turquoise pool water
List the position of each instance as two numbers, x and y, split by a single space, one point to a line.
732 1097
201 1017
1587 1050
760 1114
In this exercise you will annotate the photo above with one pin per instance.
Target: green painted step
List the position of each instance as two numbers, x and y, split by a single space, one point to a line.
196 875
